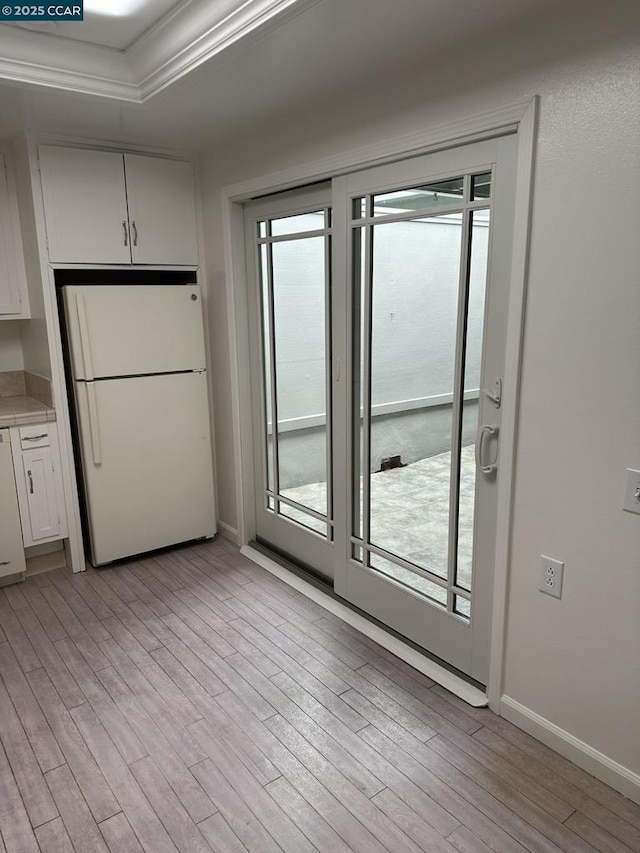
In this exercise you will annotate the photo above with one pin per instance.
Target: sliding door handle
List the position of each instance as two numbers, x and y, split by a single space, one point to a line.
485 433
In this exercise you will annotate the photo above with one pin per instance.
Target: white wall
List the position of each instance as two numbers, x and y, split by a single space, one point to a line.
575 662
10 346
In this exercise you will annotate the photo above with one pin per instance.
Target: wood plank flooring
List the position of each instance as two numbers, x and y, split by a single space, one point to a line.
192 702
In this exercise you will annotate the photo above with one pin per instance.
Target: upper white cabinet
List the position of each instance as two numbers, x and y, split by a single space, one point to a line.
162 211
85 205
107 208
14 303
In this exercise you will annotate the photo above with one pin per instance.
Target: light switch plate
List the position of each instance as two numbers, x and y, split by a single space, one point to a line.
632 491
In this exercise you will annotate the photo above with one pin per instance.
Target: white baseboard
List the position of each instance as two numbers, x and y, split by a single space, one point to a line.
599 765
228 532
458 686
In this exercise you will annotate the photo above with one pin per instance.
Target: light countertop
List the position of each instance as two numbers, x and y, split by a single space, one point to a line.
23 410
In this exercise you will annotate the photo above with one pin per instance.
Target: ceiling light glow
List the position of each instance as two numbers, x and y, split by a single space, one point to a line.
114 8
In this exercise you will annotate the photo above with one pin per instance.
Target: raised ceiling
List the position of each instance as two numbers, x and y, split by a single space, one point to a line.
169 41
314 54
117 31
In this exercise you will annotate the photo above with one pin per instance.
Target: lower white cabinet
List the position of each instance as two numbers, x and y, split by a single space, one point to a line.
12 562
36 462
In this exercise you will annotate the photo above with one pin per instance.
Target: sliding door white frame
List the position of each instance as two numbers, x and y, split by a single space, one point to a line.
521 117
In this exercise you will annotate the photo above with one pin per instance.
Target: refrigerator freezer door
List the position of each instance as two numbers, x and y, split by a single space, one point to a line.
132 330
146 456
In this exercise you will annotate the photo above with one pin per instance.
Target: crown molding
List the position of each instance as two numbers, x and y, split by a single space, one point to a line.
79 82
196 32
249 19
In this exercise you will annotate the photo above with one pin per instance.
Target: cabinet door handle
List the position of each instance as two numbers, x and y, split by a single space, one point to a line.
35 437
30 482
126 233
135 232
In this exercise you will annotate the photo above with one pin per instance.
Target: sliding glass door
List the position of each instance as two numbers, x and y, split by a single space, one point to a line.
379 323
289 267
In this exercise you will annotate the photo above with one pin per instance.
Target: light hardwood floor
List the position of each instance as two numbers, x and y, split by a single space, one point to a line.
193 702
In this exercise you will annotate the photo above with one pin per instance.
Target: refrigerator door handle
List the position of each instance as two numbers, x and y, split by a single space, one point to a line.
94 424
85 345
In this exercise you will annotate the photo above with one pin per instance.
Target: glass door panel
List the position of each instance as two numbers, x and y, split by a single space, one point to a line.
415 276
478 270
421 253
420 299
299 334
291 372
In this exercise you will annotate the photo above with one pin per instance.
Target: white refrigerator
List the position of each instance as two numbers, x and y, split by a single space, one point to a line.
137 364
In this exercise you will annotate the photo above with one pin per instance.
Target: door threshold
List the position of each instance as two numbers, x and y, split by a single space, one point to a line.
442 676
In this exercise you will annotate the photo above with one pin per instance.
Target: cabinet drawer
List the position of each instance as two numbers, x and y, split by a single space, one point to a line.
34 436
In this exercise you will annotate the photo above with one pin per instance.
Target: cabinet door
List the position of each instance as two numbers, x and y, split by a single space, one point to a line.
11 547
85 206
11 261
162 211
42 500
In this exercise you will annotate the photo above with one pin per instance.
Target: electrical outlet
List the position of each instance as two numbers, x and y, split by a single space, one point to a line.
551 574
